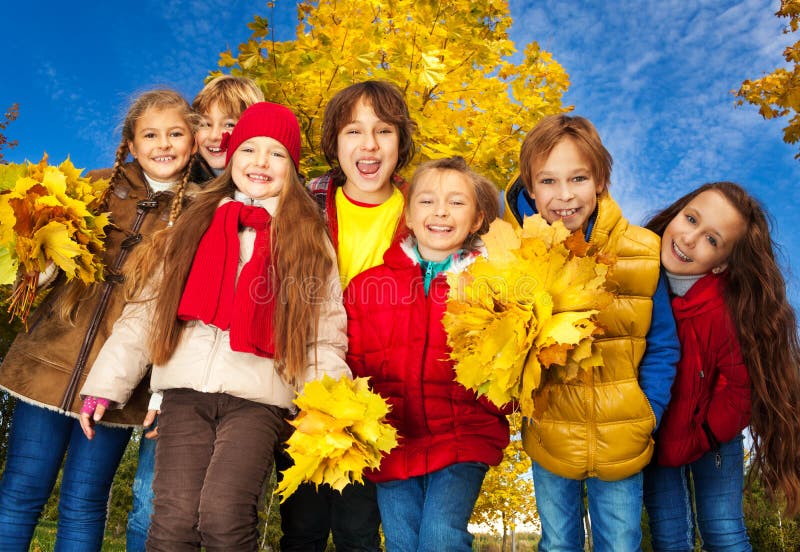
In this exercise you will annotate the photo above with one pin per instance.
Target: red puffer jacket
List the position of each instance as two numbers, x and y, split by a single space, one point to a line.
710 401
396 337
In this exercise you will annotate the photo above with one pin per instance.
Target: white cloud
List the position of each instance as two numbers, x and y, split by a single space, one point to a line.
657 78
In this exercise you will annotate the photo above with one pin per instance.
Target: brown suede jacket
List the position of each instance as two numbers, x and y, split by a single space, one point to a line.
47 365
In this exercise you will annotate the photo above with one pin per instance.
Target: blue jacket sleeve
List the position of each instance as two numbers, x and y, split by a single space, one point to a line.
657 369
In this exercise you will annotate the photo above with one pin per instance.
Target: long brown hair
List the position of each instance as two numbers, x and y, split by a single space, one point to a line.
755 293
302 258
389 105
75 292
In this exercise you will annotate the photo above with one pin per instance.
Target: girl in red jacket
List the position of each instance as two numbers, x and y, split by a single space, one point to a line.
427 487
739 366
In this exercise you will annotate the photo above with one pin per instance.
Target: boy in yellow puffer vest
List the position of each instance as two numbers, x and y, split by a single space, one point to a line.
596 433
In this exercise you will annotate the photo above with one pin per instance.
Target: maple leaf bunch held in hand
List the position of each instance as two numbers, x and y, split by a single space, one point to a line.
47 216
340 431
526 312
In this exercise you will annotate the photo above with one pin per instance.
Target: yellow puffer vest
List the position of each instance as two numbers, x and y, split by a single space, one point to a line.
602 426
512 191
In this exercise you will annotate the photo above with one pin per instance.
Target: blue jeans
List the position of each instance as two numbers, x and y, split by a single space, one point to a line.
431 512
718 481
615 509
139 516
38 440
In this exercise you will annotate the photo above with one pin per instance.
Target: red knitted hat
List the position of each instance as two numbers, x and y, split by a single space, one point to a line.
270 120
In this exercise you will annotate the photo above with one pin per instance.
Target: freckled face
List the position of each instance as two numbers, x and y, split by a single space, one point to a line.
701 237
442 213
564 187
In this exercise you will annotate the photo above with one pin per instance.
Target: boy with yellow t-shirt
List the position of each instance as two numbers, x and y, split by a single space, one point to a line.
367 136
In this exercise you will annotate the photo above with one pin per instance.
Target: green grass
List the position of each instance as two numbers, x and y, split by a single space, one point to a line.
44 539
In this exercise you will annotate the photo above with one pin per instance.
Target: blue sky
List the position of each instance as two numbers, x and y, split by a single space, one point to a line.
655 77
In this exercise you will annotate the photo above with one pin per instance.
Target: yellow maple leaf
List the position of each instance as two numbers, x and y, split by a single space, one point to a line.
8 267
501 242
55 181
432 69
47 215
340 431
525 311
54 240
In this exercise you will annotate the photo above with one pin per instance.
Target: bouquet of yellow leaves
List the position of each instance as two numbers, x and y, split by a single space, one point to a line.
530 306
340 432
46 215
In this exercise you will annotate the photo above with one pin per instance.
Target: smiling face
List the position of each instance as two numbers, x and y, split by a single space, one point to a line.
701 237
209 135
260 167
442 212
367 151
564 187
162 143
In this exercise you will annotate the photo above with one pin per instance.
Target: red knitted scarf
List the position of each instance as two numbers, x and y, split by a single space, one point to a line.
212 293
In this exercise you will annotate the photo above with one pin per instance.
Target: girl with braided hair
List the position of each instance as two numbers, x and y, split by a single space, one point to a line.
218 106
47 365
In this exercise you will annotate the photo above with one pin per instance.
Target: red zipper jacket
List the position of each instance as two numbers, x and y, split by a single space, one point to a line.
710 401
396 337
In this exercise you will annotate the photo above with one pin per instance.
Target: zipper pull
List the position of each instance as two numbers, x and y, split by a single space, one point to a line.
718 460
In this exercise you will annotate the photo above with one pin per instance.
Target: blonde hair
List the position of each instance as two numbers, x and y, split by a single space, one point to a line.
485 192
233 94
553 129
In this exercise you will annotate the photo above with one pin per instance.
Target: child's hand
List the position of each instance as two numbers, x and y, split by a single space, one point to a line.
92 411
153 410
149 418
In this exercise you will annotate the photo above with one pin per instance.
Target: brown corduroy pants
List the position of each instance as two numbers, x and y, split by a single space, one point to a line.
214 453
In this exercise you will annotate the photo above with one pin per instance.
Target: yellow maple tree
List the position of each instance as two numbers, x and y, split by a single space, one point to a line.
507 499
450 58
777 94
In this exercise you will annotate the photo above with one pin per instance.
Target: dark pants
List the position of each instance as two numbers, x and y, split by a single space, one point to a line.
309 515
214 453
